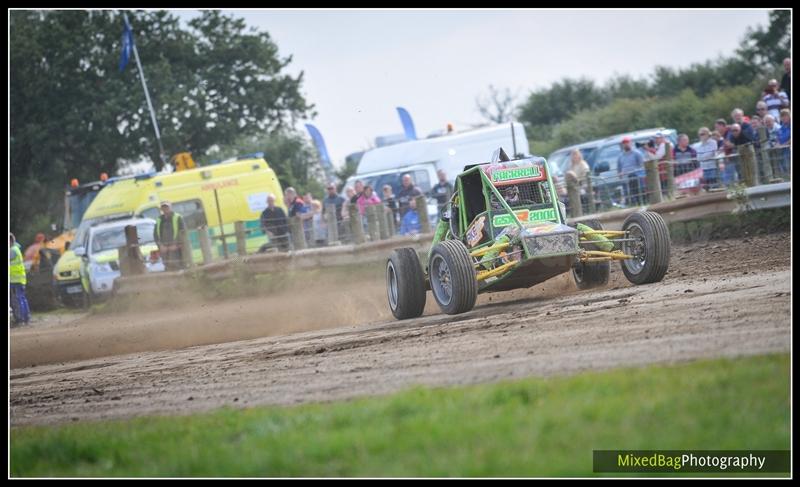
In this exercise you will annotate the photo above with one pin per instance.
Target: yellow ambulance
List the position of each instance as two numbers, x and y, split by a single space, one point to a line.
213 196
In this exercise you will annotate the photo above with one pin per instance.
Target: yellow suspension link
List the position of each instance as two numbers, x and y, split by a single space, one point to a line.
496 271
605 233
486 250
600 256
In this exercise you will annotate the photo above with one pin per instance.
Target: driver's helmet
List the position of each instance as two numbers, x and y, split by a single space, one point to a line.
511 195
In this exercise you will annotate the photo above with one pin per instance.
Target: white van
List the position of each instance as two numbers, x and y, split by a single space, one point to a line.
450 153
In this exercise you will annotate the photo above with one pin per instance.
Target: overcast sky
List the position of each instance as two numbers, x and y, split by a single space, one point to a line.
359 65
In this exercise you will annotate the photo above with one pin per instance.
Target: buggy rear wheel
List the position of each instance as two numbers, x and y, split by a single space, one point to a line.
586 275
651 250
452 277
405 284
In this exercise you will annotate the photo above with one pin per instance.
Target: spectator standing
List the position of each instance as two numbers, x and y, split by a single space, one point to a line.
332 198
706 150
761 109
168 235
275 225
349 193
320 230
578 172
717 138
736 137
772 127
684 155
294 205
367 198
410 223
630 168
786 81
785 138
408 191
755 123
578 167
746 129
359 188
442 190
658 153
775 99
721 130
308 217
17 280
785 132
390 202
659 149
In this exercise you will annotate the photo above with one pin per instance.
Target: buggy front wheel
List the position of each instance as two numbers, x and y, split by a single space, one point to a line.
405 284
650 247
452 277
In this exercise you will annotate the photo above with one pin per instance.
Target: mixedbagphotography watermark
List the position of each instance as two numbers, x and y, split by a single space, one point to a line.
722 461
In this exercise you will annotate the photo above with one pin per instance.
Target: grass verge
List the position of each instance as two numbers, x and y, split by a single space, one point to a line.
530 427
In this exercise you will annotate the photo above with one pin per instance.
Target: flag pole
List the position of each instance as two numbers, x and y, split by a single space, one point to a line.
146 92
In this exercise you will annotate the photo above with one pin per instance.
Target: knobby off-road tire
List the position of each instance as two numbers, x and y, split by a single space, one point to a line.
588 276
452 277
405 284
652 255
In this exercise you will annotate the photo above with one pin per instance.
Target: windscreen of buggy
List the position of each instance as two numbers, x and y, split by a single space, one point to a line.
114 238
529 194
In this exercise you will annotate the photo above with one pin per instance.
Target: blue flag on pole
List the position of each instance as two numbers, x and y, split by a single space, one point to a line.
316 136
127 46
408 124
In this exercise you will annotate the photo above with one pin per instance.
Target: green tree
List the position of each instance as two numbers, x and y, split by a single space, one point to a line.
73 114
568 112
559 101
766 48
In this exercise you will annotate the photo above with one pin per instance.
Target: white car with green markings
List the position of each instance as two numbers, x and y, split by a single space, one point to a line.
100 257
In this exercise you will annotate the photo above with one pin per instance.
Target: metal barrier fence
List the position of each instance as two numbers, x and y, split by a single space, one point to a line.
331 225
748 164
657 181
348 224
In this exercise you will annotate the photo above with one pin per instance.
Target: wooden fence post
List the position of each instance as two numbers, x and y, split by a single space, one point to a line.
653 181
205 244
670 167
372 222
422 211
241 238
298 232
356 227
332 222
574 195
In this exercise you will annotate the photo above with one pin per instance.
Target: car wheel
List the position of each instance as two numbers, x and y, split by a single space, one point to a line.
591 275
651 249
452 277
405 284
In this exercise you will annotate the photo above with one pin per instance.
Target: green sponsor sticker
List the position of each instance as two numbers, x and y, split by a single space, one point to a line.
504 220
516 173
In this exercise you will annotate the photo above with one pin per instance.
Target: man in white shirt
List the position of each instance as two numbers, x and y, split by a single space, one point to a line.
706 149
661 148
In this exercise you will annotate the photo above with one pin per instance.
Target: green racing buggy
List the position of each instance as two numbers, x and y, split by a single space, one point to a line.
504 228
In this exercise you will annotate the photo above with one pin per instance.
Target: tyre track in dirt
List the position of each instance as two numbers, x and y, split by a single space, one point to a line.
719 299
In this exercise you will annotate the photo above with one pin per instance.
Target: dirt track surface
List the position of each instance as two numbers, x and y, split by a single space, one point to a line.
720 298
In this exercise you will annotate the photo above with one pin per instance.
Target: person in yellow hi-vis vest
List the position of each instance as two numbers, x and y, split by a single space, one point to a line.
17 281
168 235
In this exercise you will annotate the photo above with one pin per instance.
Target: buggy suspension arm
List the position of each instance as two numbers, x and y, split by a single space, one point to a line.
600 256
496 271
